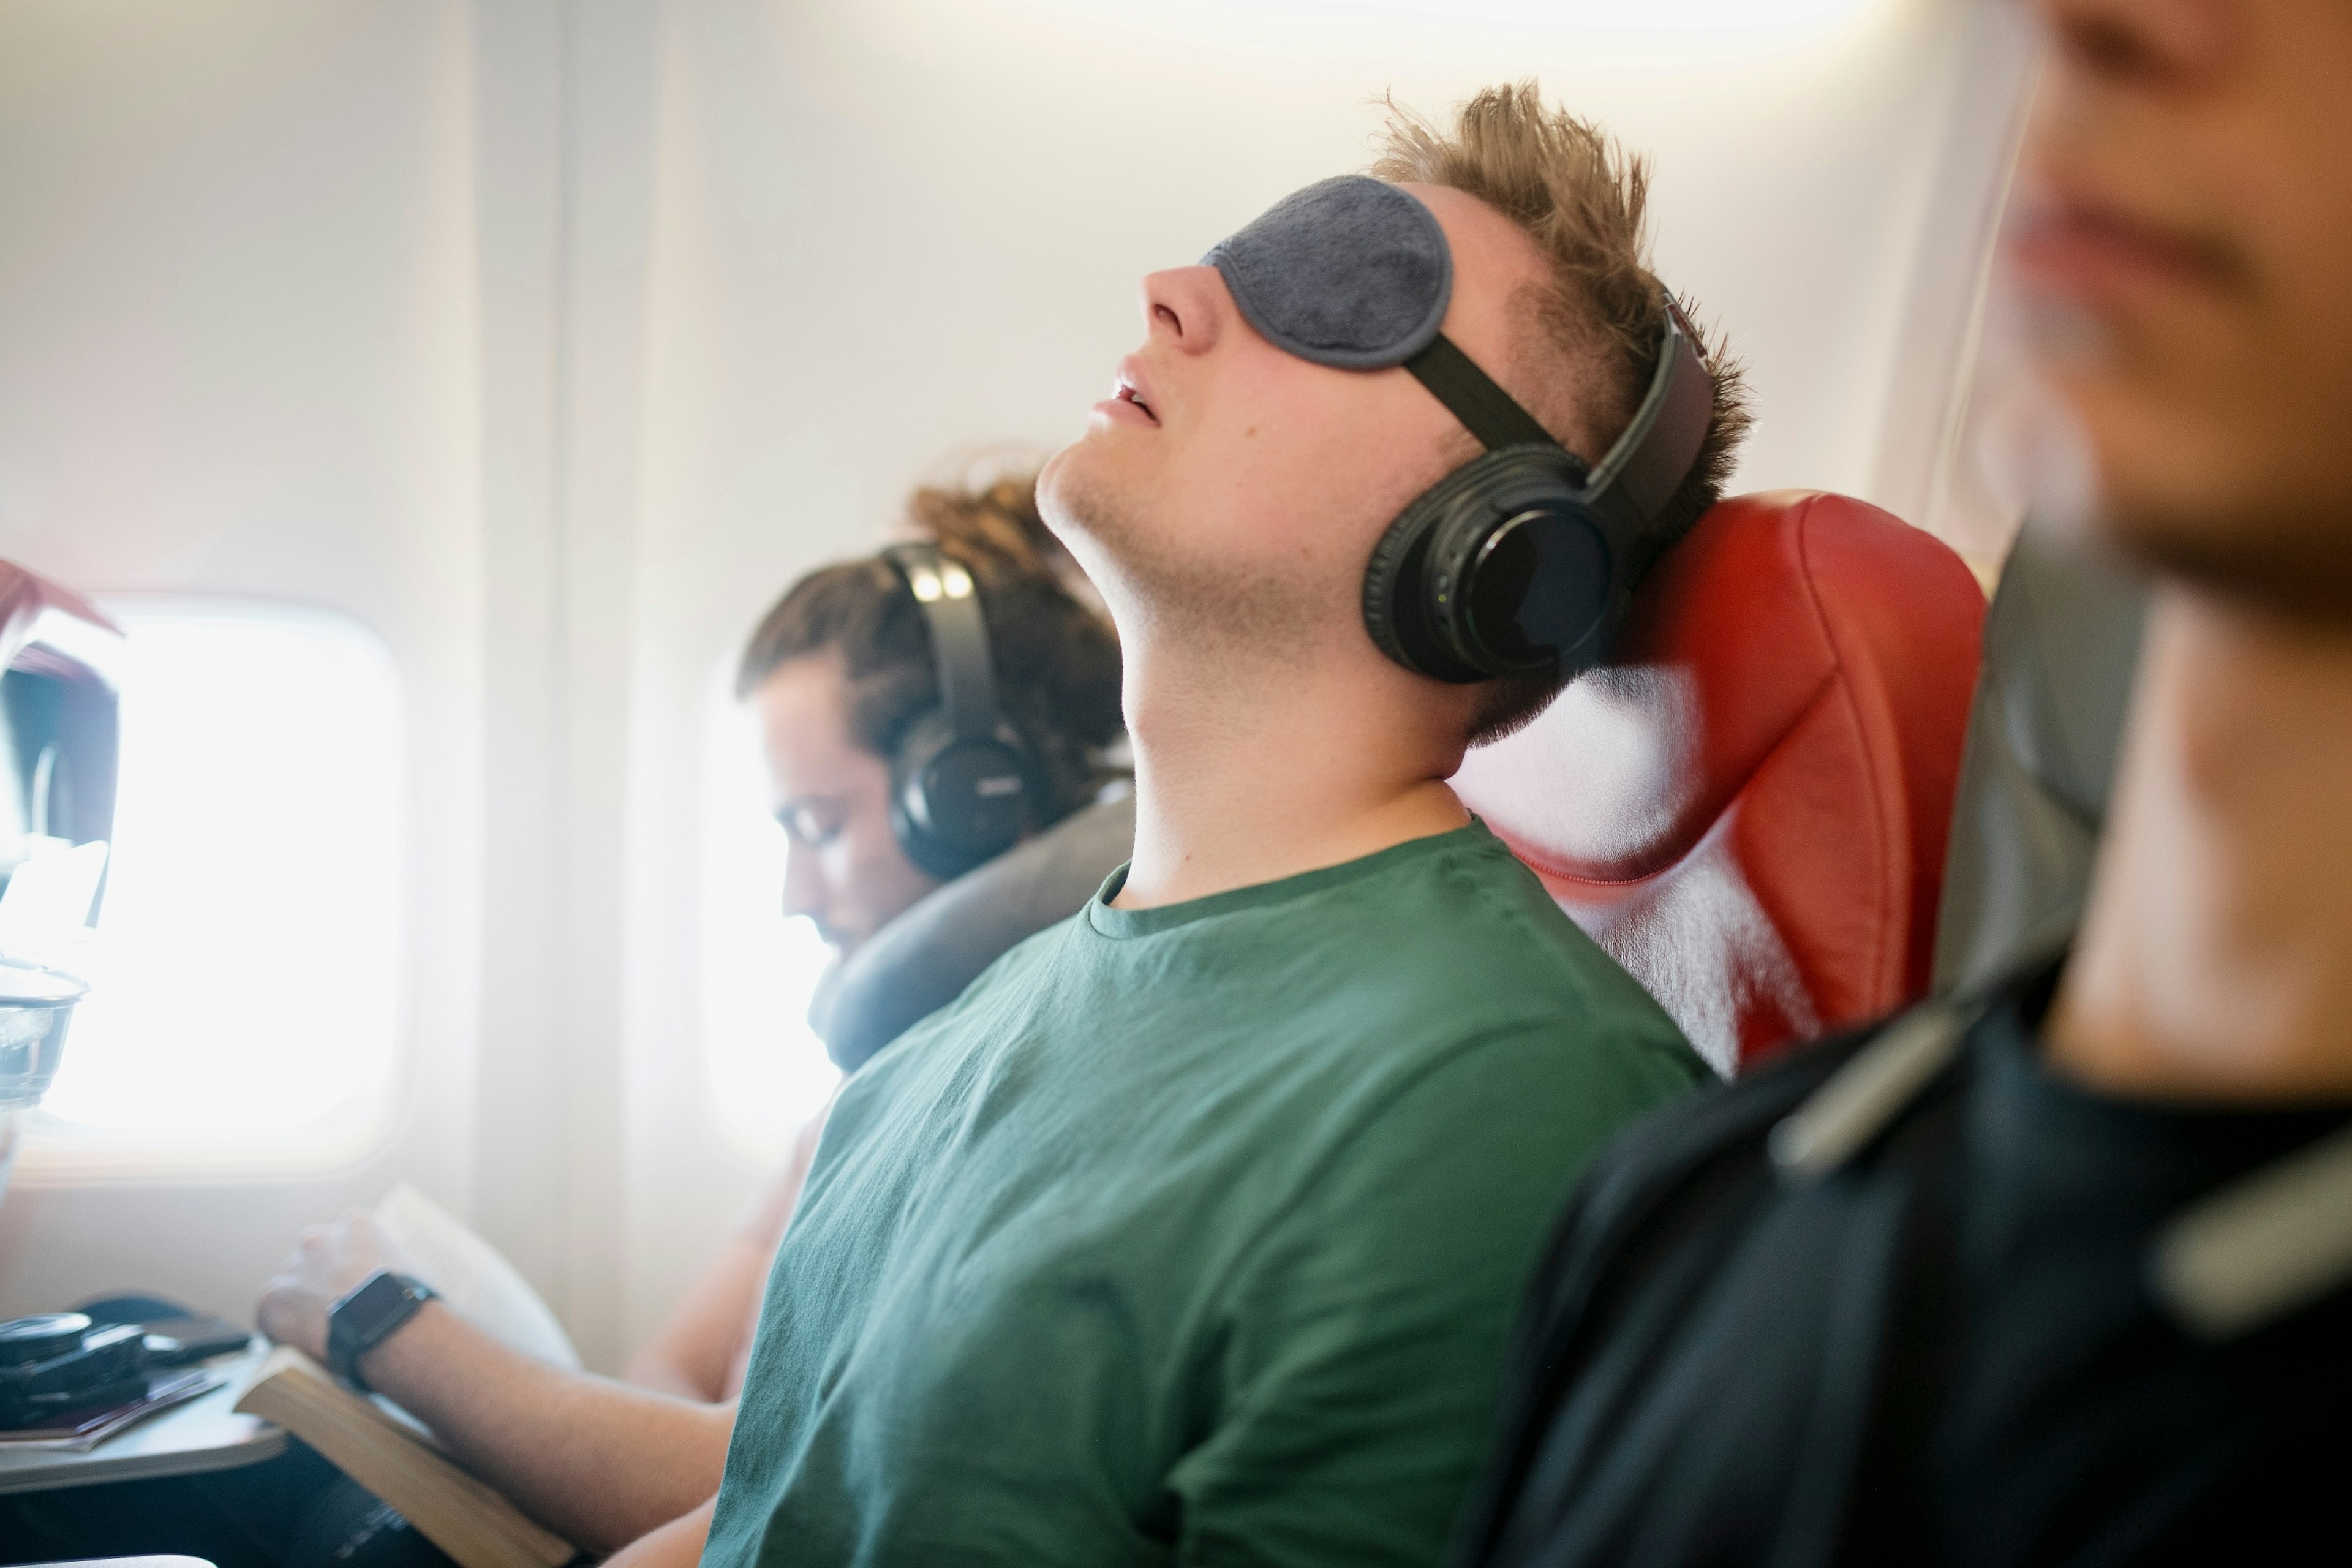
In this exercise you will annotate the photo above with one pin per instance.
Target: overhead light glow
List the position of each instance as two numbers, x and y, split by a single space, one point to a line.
1240 24
1553 18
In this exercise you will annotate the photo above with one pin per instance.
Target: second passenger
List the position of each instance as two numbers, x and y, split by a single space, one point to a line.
845 674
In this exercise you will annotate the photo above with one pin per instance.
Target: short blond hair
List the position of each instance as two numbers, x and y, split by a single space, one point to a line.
1584 201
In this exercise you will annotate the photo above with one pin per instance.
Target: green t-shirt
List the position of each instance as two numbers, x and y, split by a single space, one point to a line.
1191 1234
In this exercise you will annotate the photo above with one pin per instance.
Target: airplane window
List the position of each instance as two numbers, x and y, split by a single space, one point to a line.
246 963
768 1072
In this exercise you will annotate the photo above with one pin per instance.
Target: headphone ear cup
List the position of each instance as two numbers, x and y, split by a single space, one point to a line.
1396 594
1531 584
910 807
1499 559
957 803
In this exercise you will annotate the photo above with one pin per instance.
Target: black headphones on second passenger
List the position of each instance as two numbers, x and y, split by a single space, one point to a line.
1524 559
965 785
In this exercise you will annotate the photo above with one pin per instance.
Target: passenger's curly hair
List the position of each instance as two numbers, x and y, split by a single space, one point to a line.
1056 657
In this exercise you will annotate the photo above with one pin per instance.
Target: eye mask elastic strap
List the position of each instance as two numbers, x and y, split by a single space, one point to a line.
1486 410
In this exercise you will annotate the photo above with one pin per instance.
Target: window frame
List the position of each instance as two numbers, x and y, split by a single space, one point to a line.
56 1153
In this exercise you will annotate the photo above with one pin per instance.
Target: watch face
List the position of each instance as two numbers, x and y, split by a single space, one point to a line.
375 1305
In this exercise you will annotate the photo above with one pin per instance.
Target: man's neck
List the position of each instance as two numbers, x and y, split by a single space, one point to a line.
1248 776
2215 959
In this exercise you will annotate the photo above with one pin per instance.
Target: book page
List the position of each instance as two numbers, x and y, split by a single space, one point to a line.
478 1284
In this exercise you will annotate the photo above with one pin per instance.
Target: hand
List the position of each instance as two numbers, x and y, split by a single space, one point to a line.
330 1260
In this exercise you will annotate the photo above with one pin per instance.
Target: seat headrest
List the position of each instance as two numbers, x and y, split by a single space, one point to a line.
1747 806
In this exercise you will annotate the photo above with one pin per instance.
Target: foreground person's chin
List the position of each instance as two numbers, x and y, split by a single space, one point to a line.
2275 566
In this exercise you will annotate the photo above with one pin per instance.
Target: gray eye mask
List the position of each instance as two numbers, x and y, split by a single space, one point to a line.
1350 272
1354 273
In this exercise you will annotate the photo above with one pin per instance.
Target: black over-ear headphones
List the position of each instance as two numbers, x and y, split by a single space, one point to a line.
964 784
1523 561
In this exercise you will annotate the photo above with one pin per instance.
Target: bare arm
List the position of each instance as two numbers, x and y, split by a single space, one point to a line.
695 1352
599 1462
690 1356
678 1544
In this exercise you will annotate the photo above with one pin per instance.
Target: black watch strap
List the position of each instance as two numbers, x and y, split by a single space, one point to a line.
366 1315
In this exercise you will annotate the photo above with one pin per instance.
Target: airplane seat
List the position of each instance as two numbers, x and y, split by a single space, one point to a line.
1748 807
2061 647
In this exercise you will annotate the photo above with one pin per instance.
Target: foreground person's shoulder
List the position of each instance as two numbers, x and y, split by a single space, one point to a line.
1684 1150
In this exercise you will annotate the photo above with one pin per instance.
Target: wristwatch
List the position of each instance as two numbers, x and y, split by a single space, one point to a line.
366 1315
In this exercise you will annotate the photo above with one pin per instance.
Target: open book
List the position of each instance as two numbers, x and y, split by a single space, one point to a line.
382 1446
450 1507
475 1280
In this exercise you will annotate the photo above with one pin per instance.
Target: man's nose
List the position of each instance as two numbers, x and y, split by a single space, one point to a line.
1186 308
803 886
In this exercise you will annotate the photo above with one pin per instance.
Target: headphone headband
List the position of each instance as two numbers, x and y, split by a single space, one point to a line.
1655 455
949 602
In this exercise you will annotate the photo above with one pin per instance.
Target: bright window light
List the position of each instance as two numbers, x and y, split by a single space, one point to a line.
768 1072
247 968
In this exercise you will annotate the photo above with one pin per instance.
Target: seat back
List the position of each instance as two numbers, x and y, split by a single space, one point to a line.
1748 808
2061 646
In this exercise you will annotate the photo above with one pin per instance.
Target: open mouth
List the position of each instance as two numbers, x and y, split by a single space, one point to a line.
1131 392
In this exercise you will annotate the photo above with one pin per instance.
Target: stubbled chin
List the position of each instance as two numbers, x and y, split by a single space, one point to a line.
1076 499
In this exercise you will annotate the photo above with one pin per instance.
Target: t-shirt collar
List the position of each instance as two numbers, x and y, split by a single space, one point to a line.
1122 924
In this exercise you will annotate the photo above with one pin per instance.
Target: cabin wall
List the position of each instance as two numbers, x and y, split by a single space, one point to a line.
552 340
239 354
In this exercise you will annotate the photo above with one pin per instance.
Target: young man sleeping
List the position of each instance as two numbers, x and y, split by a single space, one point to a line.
1192 1232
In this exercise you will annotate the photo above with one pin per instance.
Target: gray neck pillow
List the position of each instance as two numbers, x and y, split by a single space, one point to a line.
922 960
